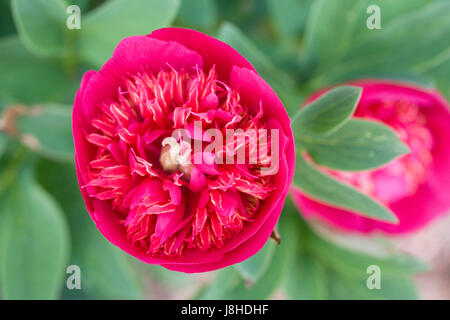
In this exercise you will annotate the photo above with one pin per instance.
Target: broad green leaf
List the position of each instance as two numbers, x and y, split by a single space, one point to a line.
26 78
344 287
6 20
106 270
47 130
324 270
280 264
397 49
254 267
328 113
105 26
41 25
355 263
323 187
229 283
415 42
83 4
199 14
222 287
288 16
3 142
35 242
358 145
280 81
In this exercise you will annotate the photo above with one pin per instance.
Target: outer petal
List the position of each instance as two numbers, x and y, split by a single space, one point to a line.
213 51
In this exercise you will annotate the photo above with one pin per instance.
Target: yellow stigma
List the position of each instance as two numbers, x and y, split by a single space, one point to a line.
176 156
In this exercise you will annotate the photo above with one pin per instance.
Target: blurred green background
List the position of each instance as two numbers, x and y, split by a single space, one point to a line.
297 46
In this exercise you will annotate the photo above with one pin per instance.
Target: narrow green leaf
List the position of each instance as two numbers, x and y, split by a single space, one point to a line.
323 187
254 267
345 287
328 113
47 130
358 145
105 26
280 81
324 270
35 243
402 47
229 283
41 25
347 21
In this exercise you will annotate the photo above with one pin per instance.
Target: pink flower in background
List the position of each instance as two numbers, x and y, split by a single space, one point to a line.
141 183
416 186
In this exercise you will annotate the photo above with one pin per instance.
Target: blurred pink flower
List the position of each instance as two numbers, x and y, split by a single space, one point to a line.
416 186
141 183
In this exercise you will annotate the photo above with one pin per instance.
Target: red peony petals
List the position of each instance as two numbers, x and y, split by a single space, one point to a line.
415 187
150 189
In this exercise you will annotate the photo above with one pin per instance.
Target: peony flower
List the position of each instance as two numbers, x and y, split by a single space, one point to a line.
415 186
159 176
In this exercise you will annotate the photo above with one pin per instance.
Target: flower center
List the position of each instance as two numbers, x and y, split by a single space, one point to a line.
165 200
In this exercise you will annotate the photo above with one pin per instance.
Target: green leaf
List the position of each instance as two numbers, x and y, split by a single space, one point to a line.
254 267
223 285
347 271
280 81
328 113
280 264
358 145
41 25
288 16
47 130
3 143
6 21
323 187
306 279
26 78
198 14
106 271
105 26
35 243
229 283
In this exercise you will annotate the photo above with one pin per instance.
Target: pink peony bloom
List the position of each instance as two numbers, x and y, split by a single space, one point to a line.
416 186
142 126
